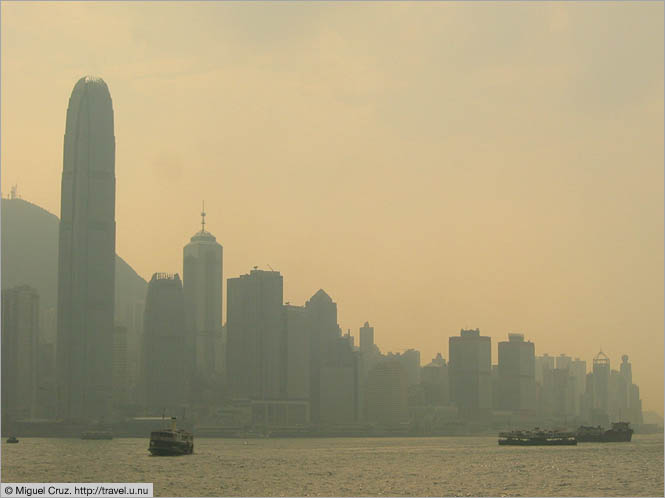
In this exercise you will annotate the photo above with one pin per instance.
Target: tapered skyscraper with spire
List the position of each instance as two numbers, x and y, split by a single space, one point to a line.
202 276
86 265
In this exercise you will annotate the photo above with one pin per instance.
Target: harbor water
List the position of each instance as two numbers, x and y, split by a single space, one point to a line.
444 466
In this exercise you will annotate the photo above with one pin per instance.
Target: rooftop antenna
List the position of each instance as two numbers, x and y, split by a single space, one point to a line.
203 216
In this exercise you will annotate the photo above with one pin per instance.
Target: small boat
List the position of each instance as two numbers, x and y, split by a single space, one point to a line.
12 439
97 435
171 441
537 437
619 433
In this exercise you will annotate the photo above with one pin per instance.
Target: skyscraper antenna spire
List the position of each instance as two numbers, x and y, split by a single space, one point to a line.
203 216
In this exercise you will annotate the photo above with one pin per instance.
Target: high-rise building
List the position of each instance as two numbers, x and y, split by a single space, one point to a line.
297 353
469 373
202 285
563 362
366 339
387 397
435 382
86 264
256 336
410 360
164 364
543 363
20 340
517 382
578 372
601 382
324 335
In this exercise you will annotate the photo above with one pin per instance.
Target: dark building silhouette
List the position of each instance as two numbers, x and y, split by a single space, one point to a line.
366 339
469 372
164 363
86 265
20 340
256 336
517 382
202 284
601 383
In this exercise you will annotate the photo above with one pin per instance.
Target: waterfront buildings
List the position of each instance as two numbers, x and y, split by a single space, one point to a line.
86 265
164 363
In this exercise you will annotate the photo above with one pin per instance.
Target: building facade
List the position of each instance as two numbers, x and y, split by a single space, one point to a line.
202 286
20 353
469 373
517 381
256 336
86 264
164 364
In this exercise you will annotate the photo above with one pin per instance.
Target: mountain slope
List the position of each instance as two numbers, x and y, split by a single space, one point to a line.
30 256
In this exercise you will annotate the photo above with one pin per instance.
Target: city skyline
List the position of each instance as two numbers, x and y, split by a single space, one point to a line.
416 307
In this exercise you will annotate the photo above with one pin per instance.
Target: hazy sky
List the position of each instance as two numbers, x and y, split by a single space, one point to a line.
432 166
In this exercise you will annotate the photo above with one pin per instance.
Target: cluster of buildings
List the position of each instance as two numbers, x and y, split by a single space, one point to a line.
271 364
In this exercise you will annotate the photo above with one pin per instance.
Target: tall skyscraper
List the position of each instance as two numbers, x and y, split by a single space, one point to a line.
202 284
256 336
517 382
469 373
164 364
601 382
20 339
86 265
366 339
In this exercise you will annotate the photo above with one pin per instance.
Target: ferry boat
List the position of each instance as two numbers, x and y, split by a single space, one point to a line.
97 435
537 437
619 433
171 441
12 439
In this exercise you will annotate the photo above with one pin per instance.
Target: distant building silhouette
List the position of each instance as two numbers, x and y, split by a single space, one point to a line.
297 353
386 395
434 378
366 339
601 382
202 285
517 382
164 364
86 267
20 340
469 372
256 336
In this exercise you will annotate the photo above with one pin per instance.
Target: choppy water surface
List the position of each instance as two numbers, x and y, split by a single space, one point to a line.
462 466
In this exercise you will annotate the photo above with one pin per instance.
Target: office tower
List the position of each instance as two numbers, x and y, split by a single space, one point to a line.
601 380
297 353
618 397
366 339
634 412
20 340
434 379
164 363
469 372
578 372
386 396
517 382
626 369
563 362
543 363
202 285
120 372
557 393
86 264
324 332
410 360
256 336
